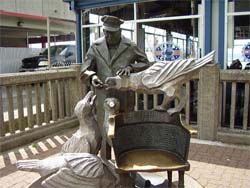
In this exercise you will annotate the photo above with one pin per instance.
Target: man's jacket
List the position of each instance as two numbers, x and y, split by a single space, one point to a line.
98 60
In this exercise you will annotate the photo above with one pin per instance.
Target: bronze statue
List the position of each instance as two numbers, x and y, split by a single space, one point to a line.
87 139
163 77
109 56
78 164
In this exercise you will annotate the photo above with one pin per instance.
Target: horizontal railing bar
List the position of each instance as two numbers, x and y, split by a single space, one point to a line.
233 131
195 77
31 77
235 75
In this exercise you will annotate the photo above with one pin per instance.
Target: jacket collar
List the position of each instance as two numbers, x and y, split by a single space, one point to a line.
104 52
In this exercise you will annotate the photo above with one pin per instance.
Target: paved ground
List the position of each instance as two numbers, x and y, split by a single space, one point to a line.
213 165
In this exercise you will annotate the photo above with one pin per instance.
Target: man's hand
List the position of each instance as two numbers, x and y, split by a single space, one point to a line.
125 71
96 82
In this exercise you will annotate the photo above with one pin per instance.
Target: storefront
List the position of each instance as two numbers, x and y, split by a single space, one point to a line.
169 30
237 32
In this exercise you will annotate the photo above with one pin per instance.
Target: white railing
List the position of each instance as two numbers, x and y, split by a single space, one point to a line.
37 100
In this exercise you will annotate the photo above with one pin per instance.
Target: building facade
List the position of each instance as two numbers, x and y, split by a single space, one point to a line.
192 28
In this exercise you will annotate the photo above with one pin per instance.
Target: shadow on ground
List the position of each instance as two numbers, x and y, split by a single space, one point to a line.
39 149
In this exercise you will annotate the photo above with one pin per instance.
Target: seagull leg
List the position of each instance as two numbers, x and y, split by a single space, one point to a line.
182 98
164 105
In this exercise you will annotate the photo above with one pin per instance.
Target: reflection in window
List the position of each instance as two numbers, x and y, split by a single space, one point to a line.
238 42
239 5
167 8
128 34
155 37
93 18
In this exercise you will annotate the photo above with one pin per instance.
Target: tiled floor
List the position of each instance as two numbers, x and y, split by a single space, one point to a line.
216 165
213 165
10 177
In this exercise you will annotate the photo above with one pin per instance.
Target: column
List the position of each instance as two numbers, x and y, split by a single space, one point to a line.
208 102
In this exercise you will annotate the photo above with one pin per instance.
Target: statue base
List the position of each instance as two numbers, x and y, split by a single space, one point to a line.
144 180
159 179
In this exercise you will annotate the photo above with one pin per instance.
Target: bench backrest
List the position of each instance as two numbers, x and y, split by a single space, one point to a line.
150 130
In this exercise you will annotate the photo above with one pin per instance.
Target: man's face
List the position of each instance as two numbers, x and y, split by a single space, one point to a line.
112 37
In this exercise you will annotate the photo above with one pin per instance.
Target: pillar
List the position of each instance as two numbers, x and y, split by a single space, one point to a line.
78 36
208 102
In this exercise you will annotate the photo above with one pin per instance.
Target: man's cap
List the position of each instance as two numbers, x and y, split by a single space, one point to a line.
111 23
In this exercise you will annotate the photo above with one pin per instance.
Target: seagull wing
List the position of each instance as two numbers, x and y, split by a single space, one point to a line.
83 170
163 72
65 178
85 164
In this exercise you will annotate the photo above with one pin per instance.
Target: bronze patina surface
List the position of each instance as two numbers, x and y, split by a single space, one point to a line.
109 56
150 160
152 133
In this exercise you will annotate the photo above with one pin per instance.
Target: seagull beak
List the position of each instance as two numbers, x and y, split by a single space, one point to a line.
89 95
93 100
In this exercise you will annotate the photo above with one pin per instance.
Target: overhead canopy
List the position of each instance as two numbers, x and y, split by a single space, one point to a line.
86 4
160 8
185 14
152 9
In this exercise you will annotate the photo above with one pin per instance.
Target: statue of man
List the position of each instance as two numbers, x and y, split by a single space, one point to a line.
108 56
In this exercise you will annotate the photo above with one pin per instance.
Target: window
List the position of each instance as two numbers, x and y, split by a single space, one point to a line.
170 27
238 33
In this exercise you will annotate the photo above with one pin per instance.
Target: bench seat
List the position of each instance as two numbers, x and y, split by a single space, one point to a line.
150 160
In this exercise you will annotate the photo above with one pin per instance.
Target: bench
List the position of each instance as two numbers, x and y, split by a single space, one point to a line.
151 141
184 123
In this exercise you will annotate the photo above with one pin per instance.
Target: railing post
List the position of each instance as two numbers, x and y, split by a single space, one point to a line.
2 128
53 100
47 100
208 102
